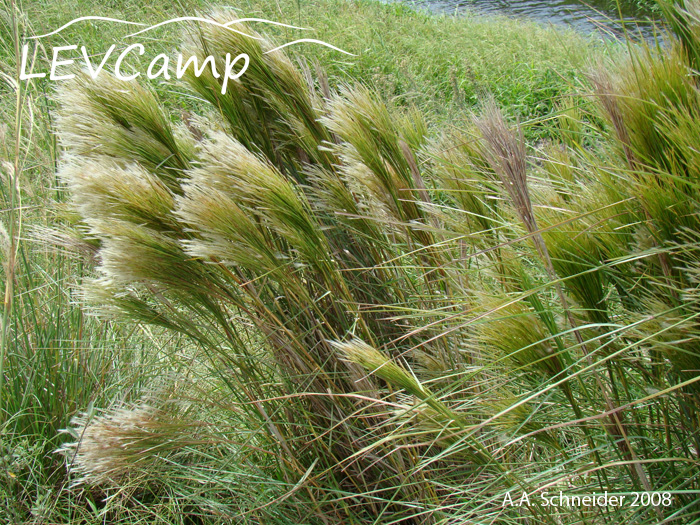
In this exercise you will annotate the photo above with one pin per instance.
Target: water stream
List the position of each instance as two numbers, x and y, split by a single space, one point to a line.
603 17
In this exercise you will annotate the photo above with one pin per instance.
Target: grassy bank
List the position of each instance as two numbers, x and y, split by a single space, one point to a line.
441 63
348 304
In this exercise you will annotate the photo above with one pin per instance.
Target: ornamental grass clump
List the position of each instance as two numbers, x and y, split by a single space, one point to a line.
399 328
126 443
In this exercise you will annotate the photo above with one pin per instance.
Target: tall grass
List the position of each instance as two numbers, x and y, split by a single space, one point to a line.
396 328
55 361
371 322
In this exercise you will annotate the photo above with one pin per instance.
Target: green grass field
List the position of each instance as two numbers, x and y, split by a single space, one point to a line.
442 63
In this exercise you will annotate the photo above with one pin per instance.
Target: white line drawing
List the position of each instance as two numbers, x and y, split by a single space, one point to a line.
106 19
227 25
313 41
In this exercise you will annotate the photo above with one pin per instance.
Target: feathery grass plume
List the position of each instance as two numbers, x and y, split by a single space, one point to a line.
669 197
642 101
667 338
70 241
655 94
123 120
358 352
332 197
136 303
226 233
250 119
272 108
263 192
460 168
129 444
517 335
506 153
559 165
103 188
359 242
363 248
672 333
575 248
504 150
132 253
380 150
670 328
604 91
136 257
371 359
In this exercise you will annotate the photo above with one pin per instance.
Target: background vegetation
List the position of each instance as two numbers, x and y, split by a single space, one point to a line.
323 302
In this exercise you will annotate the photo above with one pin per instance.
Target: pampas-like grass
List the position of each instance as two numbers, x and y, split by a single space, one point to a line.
127 445
380 152
102 187
375 328
125 121
269 109
518 335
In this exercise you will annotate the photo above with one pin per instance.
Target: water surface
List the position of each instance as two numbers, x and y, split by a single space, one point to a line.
601 17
